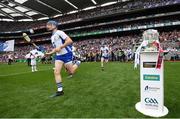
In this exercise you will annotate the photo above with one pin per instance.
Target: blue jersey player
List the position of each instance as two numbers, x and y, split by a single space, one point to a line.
62 44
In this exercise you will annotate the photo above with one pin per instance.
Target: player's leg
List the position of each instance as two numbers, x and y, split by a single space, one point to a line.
57 74
102 63
71 68
70 65
32 65
58 78
32 68
29 61
8 61
35 68
106 59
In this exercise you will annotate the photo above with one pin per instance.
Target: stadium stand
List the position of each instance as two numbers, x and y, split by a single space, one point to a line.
89 30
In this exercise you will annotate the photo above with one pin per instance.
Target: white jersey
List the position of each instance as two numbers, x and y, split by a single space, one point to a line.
105 51
10 57
33 59
58 38
73 50
129 51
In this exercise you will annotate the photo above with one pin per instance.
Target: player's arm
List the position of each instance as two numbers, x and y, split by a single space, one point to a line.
52 52
68 41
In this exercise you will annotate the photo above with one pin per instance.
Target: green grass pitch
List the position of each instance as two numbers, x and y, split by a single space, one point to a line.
90 93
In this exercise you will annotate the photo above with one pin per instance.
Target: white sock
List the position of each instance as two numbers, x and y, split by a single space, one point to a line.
60 89
32 67
35 68
102 65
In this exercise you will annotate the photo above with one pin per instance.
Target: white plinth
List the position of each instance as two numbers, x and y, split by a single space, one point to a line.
149 112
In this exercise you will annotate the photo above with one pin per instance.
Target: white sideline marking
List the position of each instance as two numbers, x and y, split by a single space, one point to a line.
14 74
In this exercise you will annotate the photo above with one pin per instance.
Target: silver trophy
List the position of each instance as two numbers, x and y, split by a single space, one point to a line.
151 37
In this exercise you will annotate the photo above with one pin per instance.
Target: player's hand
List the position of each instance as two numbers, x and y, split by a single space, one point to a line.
50 53
47 54
58 49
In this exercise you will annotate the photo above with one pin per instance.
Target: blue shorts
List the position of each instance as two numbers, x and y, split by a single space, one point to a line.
106 58
65 58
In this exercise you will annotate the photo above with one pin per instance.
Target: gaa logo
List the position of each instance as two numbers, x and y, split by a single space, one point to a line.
151 100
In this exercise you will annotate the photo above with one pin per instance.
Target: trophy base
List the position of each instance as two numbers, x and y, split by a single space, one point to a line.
150 112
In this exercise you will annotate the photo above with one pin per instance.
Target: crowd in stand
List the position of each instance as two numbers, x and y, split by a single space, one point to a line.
127 26
99 11
121 47
141 4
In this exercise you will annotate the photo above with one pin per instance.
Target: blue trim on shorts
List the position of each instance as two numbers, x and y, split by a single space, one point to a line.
105 57
68 57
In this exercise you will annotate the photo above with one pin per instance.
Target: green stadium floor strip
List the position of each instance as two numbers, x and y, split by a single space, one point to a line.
14 74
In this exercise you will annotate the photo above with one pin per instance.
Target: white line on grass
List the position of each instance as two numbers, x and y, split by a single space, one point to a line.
14 74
